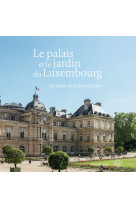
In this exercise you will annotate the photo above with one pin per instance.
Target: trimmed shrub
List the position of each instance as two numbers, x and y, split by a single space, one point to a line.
120 150
58 160
47 150
14 156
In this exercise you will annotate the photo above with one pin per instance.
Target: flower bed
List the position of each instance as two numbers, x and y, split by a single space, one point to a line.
108 168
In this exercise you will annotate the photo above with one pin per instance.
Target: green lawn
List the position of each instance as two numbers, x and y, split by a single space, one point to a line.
130 162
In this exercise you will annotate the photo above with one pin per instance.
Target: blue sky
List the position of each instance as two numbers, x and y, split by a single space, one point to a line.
114 56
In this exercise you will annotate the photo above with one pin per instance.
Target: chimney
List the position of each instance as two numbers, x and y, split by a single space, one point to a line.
98 103
52 110
64 111
86 104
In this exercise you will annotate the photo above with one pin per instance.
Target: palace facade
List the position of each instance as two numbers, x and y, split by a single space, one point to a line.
32 127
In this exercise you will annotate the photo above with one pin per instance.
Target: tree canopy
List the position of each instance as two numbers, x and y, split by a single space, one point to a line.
90 150
125 130
13 155
47 150
108 150
6 149
120 150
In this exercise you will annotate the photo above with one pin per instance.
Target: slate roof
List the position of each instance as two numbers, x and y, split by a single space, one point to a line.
92 109
13 105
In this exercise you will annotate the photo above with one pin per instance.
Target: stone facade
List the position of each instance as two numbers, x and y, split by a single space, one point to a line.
31 128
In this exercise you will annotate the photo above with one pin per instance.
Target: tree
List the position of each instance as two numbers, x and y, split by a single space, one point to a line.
90 150
120 150
14 156
125 130
47 150
58 160
108 150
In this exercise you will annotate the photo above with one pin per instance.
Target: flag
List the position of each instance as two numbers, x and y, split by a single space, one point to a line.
37 88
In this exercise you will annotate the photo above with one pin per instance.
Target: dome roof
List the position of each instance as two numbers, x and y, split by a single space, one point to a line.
35 104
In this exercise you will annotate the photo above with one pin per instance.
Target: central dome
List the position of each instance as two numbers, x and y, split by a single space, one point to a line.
35 104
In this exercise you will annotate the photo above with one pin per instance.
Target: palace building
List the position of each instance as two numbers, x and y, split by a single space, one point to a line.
32 127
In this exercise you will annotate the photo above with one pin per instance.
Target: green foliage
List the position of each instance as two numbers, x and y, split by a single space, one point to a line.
14 156
6 149
125 130
58 160
90 150
47 150
120 150
108 150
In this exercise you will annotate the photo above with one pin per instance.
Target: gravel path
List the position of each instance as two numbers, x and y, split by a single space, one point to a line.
36 166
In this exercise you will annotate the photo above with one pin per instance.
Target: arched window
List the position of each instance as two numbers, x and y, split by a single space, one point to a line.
22 148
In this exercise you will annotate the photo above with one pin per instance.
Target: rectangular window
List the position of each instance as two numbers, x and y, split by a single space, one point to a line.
97 123
54 123
104 137
98 151
55 136
88 137
12 117
80 149
63 124
8 132
74 125
72 137
55 148
98 137
88 124
104 124
80 137
109 125
64 137
72 149
80 125
64 149
44 134
110 137
21 133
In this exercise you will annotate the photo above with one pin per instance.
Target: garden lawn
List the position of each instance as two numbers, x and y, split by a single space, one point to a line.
129 162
